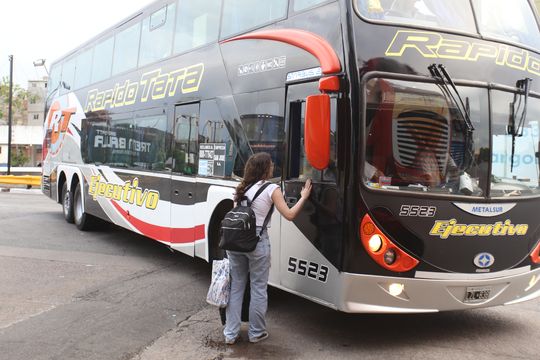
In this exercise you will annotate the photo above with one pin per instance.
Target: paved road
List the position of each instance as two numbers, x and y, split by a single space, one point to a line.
110 294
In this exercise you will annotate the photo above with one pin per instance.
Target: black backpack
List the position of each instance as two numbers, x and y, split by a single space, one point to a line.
239 227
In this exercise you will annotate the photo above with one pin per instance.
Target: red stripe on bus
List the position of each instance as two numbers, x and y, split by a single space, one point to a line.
306 40
162 233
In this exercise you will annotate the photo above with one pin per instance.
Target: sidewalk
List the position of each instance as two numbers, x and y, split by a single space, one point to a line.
201 337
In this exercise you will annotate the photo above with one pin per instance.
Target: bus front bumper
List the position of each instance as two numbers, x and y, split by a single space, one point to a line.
432 292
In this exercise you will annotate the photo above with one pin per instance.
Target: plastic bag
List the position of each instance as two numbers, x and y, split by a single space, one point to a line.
220 287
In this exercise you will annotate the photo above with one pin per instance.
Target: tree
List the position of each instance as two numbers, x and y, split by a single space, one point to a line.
19 158
20 101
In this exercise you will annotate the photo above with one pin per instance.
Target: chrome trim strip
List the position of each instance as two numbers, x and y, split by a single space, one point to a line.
461 276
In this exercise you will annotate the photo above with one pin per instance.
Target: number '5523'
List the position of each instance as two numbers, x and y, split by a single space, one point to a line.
308 268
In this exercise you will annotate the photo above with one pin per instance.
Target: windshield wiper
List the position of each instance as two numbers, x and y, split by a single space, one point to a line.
440 73
522 92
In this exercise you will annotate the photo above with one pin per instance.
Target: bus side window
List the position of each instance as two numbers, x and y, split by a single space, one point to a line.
263 124
197 24
239 15
119 140
186 149
157 35
214 134
68 74
300 5
299 166
126 49
102 61
150 141
94 137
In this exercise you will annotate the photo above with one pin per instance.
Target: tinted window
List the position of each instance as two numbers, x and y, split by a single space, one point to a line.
54 77
84 69
511 21
240 15
455 14
186 150
304 4
157 35
262 123
126 49
299 166
197 24
68 72
96 137
150 142
216 149
120 141
102 63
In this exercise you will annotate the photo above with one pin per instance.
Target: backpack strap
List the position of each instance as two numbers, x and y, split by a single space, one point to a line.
269 215
259 192
244 197
267 219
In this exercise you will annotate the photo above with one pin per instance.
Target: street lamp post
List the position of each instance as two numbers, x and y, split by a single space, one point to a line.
41 62
10 113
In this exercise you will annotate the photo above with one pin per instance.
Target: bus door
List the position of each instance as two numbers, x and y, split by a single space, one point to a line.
311 242
183 185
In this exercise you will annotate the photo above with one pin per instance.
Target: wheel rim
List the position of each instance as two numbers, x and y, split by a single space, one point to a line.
67 203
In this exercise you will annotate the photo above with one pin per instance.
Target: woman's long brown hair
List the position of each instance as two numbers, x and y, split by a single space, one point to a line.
256 169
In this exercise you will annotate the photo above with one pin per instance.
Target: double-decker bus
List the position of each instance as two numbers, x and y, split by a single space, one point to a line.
417 120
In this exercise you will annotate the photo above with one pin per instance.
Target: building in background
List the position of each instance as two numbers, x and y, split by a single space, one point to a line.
37 91
26 145
27 129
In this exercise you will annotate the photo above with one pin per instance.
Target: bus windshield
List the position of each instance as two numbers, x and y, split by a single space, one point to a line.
512 21
515 156
454 14
499 19
417 140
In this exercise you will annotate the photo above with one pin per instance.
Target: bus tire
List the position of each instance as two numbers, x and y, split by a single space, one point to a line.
67 204
83 220
215 253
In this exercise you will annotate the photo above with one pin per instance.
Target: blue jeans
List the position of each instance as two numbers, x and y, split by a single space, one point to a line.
257 264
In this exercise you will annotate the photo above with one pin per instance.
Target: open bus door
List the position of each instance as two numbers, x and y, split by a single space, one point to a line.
320 221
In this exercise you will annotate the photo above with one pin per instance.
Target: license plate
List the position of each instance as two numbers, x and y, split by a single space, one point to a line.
476 294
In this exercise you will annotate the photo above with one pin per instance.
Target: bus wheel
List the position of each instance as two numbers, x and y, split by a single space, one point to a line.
215 253
67 204
83 220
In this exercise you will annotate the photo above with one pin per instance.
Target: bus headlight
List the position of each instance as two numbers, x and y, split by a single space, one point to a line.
396 289
375 243
382 250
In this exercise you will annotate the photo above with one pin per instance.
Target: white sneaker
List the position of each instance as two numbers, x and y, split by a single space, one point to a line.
261 337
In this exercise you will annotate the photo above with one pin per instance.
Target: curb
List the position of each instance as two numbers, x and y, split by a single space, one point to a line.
15 190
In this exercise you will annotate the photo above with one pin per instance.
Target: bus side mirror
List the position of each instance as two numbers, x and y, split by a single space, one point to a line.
317 131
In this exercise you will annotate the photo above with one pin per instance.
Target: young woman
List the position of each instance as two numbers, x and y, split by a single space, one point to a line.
259 168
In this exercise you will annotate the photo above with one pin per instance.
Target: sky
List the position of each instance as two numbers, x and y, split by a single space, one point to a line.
48 29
